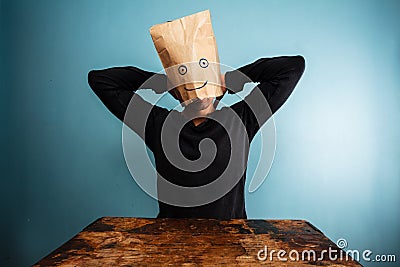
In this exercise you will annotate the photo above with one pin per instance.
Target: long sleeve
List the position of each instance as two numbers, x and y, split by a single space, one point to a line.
277 78
116 86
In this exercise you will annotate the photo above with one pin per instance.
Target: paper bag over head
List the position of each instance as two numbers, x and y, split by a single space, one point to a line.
188 51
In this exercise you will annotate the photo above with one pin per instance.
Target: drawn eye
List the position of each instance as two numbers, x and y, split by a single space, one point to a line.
182 69
203 63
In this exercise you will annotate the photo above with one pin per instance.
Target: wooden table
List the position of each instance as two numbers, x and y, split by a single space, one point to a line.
111 241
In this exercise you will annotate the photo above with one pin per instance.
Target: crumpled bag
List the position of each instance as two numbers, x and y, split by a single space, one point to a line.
188 51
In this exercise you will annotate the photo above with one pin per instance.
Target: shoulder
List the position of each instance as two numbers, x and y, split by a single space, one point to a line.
158 113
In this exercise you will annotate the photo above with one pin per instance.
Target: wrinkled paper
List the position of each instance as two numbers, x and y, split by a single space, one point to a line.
188 51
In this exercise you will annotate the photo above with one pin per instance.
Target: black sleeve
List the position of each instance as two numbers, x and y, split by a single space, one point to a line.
116 86
276 78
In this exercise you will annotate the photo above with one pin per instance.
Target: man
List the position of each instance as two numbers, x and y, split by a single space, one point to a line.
277 78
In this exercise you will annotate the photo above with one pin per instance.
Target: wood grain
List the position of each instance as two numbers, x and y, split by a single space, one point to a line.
112 241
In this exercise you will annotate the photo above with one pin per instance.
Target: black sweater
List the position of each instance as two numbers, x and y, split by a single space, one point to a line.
277 78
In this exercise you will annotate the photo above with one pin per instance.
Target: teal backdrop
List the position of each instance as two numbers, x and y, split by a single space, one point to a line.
337 161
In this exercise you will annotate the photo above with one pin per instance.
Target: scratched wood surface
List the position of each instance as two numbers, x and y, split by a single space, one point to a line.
113 241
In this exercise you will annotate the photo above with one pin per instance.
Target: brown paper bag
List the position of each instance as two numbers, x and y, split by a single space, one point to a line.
188 51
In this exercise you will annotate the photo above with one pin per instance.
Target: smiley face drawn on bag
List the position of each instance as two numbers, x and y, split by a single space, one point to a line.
182 69
188 51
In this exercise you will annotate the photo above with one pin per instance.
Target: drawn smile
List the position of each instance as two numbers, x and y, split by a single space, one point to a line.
196 88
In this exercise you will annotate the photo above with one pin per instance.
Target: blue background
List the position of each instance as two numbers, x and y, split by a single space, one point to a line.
338 136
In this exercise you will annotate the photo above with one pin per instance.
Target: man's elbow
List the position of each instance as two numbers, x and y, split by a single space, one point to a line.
93 77
299 63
